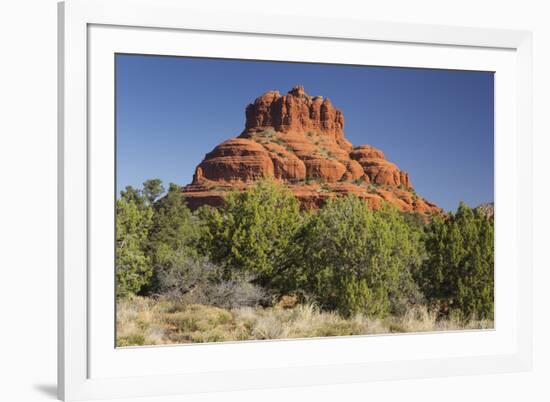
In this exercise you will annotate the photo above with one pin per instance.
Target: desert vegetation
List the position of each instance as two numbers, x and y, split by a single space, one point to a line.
160 321
261 268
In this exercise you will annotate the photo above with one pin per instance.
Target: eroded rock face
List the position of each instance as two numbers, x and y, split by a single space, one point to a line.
379 170
294 112
325 170
299 140
237 159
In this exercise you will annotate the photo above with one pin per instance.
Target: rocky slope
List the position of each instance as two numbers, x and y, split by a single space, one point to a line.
299 140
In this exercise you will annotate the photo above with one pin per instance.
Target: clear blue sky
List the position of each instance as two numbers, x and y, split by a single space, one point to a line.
435 124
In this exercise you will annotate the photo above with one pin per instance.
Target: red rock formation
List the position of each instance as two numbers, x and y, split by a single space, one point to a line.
299 140
237 159
295 112
379 170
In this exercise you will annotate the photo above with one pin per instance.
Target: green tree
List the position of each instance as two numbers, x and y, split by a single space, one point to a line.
175 231
355 260
133 268
152 190
131 194
251 234
146 196
458 275
173 222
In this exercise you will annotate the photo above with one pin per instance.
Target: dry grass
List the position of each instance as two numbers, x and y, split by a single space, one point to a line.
146 321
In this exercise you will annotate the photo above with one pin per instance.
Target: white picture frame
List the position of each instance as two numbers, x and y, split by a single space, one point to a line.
90 32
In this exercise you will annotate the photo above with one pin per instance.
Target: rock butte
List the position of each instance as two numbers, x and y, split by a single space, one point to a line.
298 140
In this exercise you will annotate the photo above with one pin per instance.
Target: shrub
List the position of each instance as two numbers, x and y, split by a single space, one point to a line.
173 224
458 275
354 260
174 235
200 281
251 235
133 268
235 293
181 275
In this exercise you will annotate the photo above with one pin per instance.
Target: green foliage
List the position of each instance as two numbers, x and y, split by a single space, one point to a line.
343 257
133 268
152 189
131 194
174 225
252 233
458 275
267 133
175 233
352 259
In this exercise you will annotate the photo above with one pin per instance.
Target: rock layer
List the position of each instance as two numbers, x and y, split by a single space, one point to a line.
299 140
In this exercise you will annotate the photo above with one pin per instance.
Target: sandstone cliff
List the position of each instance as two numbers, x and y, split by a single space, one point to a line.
299 140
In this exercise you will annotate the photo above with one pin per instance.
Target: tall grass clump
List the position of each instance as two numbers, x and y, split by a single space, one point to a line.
155 321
